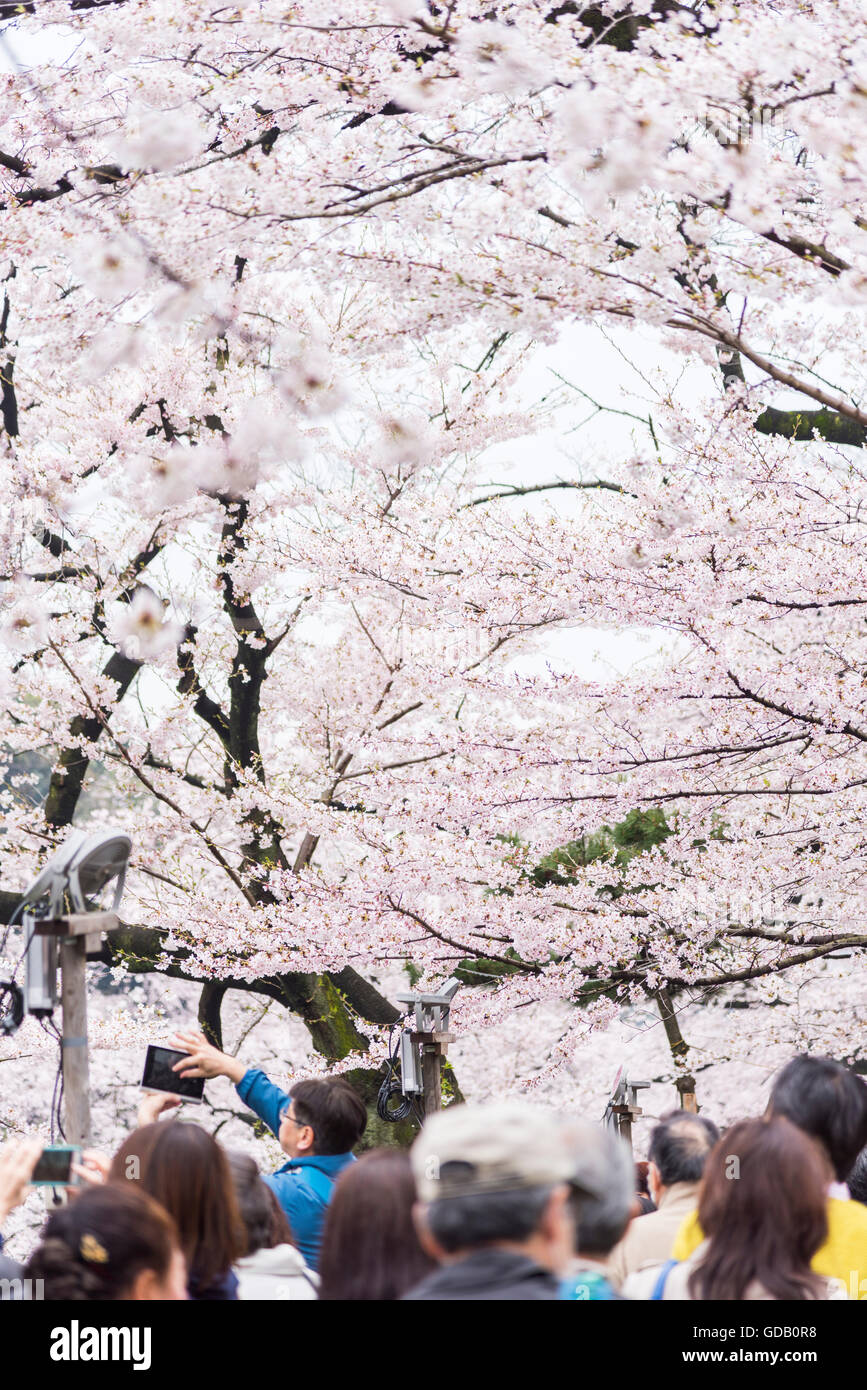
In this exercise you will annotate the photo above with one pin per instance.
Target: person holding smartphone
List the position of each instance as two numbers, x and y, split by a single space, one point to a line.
317 1125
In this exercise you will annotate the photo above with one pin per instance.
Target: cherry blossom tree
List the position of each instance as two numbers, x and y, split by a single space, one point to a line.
271 275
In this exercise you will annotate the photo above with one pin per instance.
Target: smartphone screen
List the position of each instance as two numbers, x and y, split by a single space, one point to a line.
54 1165
158 1074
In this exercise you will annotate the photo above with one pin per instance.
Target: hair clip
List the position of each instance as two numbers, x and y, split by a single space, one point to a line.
92 1251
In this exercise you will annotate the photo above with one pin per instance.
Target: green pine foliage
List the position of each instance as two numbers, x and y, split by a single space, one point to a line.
618 844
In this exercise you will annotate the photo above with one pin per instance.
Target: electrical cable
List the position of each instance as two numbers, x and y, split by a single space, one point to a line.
57 1092
11 1008
24 950
26 947
11 998
9 925
390 1088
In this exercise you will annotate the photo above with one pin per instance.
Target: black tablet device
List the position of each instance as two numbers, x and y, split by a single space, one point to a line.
158 1074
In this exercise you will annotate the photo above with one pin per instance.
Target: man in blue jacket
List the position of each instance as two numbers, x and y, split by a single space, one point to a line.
317 1124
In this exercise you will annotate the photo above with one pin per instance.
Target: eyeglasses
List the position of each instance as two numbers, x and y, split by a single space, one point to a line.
285 1115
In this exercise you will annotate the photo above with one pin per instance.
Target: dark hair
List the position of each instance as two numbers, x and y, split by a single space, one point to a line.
96 1247
483 1218
263 1217
370 1249
641 1185
857 1179
763 1207
679 1146
183 1167
828 1102
642 1189
336 1114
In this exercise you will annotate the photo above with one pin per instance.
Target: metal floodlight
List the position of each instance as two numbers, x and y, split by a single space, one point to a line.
51 880
431 1015
101 858
447 992
432 1010
623 1104
73 879
79 870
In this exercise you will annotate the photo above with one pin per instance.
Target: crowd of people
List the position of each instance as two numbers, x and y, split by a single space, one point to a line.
503 1200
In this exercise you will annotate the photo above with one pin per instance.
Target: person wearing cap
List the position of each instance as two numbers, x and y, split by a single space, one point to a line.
603 1206
493 1184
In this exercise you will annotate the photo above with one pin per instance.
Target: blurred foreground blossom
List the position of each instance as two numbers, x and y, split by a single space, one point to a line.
141 628
25 628
110 266
160 139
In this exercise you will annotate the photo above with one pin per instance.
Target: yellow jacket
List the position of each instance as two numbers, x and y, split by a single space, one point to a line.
842 1257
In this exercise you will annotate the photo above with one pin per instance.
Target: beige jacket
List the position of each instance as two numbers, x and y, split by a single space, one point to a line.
649 1239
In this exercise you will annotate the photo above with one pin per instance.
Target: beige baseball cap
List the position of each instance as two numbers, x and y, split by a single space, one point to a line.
495 1147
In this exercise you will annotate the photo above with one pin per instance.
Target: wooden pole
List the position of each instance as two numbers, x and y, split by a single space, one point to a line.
686 1091
434 1047
76 1081
431 1076
626 1127
77 933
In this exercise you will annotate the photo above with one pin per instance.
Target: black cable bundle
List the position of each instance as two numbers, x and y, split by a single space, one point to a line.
389 1089
11 998
11 1007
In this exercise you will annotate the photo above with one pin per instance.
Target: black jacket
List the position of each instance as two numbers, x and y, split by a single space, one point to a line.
487 1274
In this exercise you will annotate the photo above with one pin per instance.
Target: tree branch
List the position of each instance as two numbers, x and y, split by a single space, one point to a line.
541 487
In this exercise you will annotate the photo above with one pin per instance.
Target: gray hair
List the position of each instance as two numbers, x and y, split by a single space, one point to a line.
680 1146
605 1167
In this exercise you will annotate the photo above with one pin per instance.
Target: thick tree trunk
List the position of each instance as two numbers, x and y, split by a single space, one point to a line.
685 1081
210 1004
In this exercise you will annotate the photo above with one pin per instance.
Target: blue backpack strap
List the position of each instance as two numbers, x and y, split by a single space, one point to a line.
659 1286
